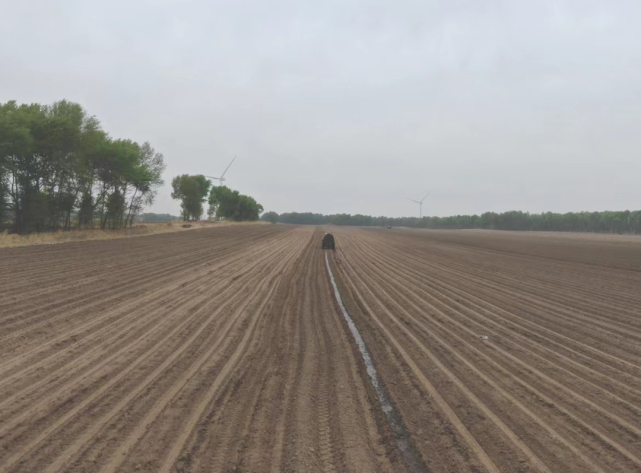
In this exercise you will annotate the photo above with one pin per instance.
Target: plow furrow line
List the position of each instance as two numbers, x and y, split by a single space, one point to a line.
474 317
513 399
128 307
97 425
88 360
522 323
451 415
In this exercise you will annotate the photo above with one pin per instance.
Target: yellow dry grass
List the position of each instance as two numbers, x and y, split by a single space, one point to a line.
8 240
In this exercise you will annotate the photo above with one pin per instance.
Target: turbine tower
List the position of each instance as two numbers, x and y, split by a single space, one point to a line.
222 177
420 205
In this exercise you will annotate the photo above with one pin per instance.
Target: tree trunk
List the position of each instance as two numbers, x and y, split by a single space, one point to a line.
131 205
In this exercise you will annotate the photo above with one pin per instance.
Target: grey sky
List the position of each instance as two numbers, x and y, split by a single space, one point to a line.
351 106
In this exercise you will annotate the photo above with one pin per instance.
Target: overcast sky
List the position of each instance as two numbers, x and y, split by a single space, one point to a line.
353 106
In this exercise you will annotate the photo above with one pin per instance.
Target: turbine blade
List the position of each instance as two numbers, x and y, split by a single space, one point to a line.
413 200
232 162
425 196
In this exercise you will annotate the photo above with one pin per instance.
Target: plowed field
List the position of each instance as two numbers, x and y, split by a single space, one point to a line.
225 350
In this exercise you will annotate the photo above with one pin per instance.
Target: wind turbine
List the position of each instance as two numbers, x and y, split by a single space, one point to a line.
222 177
420 205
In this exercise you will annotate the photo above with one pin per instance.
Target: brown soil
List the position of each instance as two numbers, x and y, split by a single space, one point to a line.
12 240
223 350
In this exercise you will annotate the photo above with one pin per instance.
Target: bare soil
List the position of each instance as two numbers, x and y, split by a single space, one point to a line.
223 350
13 240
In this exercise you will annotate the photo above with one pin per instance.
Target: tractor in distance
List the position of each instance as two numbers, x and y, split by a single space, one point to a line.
328 242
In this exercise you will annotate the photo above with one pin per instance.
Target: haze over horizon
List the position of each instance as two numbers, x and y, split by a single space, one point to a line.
354 106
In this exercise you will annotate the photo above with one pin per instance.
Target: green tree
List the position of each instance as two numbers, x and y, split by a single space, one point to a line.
192 192
306 218
17 144
270 217
4 192
93 157
146 179
55 159
604 222
223 202
248 209
231 205
116 173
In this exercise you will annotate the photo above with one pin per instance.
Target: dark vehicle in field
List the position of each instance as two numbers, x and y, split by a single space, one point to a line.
328 242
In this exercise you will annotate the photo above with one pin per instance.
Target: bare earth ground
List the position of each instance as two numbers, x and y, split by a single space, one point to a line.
13 240
223 350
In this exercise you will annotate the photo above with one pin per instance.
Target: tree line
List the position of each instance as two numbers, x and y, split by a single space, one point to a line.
224 203
59 169
628 222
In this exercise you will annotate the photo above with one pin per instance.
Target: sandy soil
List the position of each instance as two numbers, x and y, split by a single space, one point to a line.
223 350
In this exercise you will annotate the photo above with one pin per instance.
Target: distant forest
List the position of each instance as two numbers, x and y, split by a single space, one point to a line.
628 222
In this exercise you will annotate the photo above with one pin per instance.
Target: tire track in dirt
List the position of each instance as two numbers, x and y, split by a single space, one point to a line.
137 382
406 449
238 351
283 262
276 428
